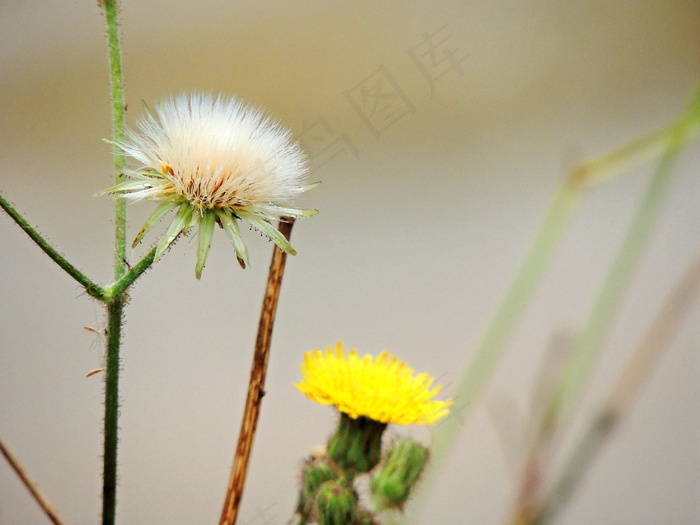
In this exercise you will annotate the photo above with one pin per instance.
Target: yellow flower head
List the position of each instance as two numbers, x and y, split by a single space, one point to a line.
383 389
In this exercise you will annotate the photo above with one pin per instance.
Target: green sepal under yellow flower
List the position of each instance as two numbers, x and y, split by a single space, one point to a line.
383 389
356 445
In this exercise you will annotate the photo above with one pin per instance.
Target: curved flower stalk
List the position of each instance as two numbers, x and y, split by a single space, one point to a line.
213 160
369 393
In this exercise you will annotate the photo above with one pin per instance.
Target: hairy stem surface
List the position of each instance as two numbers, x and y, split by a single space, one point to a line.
115 307
115 310
118 132
91 287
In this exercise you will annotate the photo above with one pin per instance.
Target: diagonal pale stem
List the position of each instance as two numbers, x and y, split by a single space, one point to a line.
621 397
509 313
590 342
518 296
43 502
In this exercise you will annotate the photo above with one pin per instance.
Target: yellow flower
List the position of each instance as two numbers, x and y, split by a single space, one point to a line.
383 389
213 161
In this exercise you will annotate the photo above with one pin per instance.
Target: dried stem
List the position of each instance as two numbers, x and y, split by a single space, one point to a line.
622 395
32 487
256 385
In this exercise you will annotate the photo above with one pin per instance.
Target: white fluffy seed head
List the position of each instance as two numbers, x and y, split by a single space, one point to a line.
216 153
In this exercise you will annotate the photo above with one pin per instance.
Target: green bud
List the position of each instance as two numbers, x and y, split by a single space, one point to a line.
392 483
357 443
336 504
314 473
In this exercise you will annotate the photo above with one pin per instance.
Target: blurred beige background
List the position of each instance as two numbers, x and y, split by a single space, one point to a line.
426 209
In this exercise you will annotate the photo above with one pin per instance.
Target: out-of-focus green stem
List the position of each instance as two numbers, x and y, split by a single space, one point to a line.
507 316
646 147
518 296
590 342
622 395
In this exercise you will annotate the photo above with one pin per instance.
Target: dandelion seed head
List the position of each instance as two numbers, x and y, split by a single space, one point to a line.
213 160
217 153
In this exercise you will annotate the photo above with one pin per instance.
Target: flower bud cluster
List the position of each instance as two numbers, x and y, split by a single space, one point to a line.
328 495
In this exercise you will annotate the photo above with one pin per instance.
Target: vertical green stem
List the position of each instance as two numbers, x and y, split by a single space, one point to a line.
115 306
115 310
118 125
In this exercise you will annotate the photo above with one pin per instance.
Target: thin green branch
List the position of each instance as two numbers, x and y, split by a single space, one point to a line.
129 277
115 311
118 132
92 288
646 147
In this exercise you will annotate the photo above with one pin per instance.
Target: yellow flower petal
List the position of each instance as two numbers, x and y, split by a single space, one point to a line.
383 389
